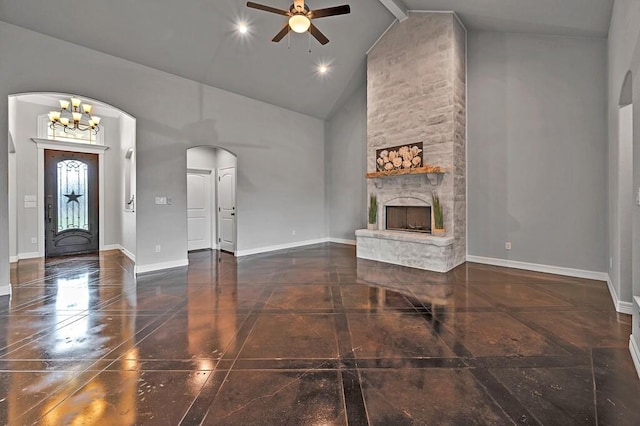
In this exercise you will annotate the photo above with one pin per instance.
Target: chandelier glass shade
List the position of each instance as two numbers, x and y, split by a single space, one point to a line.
74 115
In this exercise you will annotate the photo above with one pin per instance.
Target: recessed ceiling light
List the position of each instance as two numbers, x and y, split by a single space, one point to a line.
322 69
242 28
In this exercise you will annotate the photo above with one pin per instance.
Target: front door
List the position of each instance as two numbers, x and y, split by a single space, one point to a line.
71 203
227 209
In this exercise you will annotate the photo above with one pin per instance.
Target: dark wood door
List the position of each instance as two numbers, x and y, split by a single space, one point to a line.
71 203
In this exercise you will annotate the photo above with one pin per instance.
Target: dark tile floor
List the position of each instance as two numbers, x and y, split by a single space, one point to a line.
309 336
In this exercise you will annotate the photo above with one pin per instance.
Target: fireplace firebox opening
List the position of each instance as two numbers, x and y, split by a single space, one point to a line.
409 218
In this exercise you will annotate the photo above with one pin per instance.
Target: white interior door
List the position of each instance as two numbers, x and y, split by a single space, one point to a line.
198 210
227 209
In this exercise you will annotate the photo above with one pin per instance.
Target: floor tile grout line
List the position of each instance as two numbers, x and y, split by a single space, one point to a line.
43 333
594 388
549 335
520 414
263 301
355 401
97 372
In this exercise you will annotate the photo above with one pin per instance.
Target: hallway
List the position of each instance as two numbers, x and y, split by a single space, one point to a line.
309 336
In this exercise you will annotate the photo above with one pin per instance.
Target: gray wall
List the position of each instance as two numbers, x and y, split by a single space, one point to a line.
345 167
202 157
624 56
280 152
225 159
537 153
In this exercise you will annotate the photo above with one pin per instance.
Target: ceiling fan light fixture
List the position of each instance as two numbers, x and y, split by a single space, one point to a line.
299 23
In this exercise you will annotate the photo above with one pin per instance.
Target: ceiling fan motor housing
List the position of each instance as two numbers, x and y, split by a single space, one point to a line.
299 8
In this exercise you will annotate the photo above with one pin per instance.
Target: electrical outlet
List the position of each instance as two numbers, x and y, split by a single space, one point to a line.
507 245
34 241
157 249
293 232
610 263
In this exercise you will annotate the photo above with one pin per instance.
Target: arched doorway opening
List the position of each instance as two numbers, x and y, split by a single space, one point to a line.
625 196
114 150
211 199
629 213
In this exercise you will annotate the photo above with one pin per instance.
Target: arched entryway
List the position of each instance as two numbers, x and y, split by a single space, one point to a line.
622 269
211 199
629 213
114 150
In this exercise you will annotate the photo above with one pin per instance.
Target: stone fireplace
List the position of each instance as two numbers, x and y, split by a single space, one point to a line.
416 84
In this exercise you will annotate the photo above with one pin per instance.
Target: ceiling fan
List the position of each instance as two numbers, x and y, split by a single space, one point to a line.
300 17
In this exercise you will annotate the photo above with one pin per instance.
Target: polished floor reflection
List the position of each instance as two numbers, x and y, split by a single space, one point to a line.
310 336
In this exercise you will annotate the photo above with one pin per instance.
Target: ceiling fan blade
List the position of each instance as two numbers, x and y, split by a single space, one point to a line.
318 35
283 32
267 8
331 11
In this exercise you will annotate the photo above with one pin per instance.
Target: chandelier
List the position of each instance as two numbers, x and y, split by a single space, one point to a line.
74 115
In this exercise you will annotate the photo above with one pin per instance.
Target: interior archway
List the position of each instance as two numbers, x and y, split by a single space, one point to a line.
28 131
624 249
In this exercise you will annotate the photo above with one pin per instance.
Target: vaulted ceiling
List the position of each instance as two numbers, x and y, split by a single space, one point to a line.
197 39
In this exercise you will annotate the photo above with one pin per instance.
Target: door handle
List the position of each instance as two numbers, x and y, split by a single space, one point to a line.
49 210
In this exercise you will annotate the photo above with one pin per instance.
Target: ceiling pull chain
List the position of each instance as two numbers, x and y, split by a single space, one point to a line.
309 40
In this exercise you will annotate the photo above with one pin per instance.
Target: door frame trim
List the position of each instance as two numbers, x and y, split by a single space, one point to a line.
43 144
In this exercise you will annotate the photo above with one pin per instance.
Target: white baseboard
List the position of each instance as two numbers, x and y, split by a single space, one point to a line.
128 254
341 241
23 256
549 269
143 269
635 354
266 249
622 307
5 289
